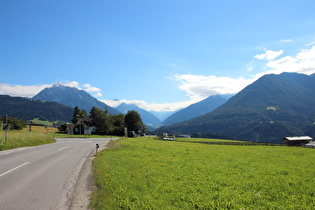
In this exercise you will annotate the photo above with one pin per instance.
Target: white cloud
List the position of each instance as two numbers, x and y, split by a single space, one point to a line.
286 40
86 87
250 67
98 94
199 87
90 88
151 107
303 62
32 90
71 84
20 90
310 44
269 55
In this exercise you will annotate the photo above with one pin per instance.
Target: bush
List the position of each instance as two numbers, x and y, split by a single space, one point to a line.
62 128
15 124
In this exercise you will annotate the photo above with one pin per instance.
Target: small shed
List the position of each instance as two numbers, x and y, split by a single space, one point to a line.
297 140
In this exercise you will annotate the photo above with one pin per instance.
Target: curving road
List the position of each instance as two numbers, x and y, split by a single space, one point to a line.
43 177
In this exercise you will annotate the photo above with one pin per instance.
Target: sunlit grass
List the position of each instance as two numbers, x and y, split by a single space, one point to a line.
41 129
43 122
23 138
143 173
206 140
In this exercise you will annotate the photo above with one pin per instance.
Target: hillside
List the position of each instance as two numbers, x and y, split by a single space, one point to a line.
148 118
28 109
207 105
269 109
72 97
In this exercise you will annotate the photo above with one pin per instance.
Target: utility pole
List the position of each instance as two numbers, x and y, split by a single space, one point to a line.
80 120
6 128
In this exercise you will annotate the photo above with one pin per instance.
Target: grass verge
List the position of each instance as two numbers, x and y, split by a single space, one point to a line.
143 173
24 138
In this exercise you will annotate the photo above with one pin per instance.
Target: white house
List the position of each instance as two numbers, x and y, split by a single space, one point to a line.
297 140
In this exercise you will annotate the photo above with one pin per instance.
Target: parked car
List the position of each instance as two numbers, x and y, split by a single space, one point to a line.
132 134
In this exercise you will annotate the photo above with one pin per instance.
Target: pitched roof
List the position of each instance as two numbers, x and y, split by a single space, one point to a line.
298 138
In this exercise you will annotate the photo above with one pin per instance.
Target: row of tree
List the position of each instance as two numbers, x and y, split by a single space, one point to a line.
15 124
106 123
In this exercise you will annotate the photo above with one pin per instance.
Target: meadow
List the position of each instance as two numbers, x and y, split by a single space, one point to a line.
24 138
205 140
144 173
43 122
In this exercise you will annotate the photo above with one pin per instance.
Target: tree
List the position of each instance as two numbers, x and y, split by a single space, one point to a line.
134 122
101 120
78 118
62 127
117 121
15 124
77 114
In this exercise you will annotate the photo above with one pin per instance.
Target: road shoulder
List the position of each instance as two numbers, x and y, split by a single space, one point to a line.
85 184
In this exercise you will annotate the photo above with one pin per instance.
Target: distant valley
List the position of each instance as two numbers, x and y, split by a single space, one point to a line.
205 106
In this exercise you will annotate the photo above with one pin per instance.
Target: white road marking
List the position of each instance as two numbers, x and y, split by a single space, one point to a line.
63 148
14 169
5 152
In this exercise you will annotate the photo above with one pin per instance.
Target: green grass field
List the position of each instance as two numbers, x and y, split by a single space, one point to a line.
204 140
210 140
24 138
144 173
38 121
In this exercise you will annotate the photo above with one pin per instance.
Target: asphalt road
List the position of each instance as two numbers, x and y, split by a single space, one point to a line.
43 177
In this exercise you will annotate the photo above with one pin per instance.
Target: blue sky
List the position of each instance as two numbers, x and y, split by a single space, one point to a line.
158 54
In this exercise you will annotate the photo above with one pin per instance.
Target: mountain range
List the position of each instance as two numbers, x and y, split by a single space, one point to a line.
269 109
72 97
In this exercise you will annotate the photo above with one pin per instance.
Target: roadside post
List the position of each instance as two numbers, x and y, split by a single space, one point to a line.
97 146
125 132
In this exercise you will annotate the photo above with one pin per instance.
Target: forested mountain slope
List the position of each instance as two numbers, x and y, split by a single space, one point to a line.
269 109
28 109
